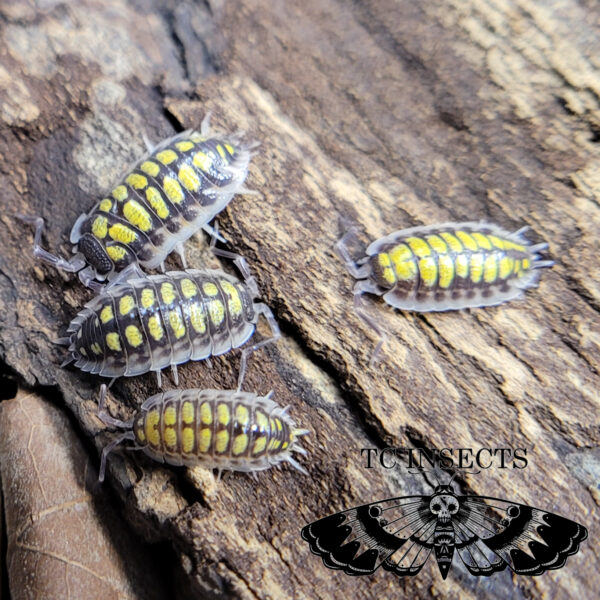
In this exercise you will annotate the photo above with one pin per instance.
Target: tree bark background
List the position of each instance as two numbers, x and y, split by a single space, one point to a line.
384 114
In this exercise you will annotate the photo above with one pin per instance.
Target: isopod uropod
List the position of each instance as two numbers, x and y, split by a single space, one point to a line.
142 323
224 429
446 267
168 196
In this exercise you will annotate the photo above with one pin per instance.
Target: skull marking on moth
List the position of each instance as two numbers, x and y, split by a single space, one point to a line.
443 506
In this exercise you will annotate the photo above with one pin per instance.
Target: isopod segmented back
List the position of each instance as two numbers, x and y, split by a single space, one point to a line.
168 196
223 429
147 323
448 266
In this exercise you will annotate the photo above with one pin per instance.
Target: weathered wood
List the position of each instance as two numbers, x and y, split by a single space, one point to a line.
380 114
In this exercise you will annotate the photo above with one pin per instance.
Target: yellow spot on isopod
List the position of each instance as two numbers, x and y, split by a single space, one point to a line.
113 342
137 181
419 246
187 175
386 270
119 193
140 435
278 424
155 327
285 445
234 302
156 201
96 349
476 267
526 263
105 205
517 266
100 227
187 440
216 311
173 190
221 441
274 444
147 297
490 268
242 415
259 445
406 270
446 267
467 240
204 441
137 215
230 148
452 242
187 413
437 243
221 151
462 265
121 233
82 351
116 252
428 271
206 415
240 444
188 288
496 241
210 289
482 240
223 414
506 266
170 415
261 420
167 292
170 437
166 157
150 168
203 161
400 253
106 314
184 146
176 323
126 305
134 335
197 317
151 427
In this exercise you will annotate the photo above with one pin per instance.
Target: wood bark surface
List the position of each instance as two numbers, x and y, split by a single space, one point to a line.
378 113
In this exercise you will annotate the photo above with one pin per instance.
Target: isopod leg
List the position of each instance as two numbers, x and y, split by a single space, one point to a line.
128 435
358 272
276 334
214 234
175 374
180 249
368 320
105 416
71 266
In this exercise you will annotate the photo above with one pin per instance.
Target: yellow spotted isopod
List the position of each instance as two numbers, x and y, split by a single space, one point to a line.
168 196
222 429
443 267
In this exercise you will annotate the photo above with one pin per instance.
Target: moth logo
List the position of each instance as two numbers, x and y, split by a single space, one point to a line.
488 534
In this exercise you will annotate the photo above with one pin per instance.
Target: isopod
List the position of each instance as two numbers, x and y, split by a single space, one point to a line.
169 195
223 429
141 323
445 267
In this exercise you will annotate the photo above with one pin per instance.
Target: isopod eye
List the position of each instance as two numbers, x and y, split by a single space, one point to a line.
436 507
375 511
452 507
513 511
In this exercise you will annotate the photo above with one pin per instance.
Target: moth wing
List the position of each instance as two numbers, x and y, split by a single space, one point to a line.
475 555
360 539
530 540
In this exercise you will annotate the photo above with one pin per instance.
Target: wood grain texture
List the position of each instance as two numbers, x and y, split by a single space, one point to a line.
380 114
